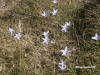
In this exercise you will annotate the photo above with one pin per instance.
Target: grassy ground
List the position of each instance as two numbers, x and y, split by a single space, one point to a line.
28 56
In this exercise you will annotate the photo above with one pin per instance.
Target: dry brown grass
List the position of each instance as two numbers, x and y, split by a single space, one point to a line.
6 5
28 56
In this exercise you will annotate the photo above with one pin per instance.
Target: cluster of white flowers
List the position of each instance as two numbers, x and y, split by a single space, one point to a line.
62 64
46 38
18 35
45 14
96 37
54 12
65 53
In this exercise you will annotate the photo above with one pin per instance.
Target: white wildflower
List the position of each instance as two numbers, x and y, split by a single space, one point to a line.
18 36
44 14
65 51
65 27
55 1
54 12
62 65
96 37
11 30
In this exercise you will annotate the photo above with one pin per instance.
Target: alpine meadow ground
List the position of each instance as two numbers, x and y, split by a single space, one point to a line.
29 56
